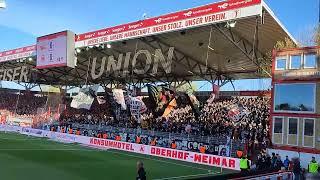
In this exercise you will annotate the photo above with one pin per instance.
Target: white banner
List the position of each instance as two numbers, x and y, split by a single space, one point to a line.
193 157
82 101
137 107
119 97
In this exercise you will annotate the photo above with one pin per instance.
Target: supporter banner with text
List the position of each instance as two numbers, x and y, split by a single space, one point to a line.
203 15
187 156
193 157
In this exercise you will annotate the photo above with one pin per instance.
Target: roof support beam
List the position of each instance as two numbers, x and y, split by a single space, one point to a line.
250 50
184 61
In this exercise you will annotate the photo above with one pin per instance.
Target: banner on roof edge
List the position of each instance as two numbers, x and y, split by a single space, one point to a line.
20 74
199 16
140 63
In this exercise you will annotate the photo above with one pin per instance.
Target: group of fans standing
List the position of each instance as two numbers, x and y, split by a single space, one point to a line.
241 118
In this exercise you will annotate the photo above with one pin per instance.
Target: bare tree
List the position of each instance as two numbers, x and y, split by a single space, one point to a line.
285 44
310 36
317 35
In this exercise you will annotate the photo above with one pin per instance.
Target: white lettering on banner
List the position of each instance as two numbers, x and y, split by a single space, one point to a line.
17 53
118 67
192 157
161 26
199 16
20 74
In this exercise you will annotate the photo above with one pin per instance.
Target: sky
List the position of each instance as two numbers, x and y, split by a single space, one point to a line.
291 94
24 20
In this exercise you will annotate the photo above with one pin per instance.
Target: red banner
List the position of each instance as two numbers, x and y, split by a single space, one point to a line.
17 53
221 11
207 14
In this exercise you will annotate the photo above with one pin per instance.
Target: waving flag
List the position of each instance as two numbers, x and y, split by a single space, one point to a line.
237 112
170 107
119 98
92 90
153 93
82 101
194 103
137 107
211 98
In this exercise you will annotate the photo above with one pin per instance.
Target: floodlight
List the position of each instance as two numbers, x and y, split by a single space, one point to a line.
231 24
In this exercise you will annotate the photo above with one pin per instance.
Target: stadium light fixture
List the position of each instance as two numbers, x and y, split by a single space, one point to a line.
3 4
190 72
109 46
211 48
30 59
78 50
231 24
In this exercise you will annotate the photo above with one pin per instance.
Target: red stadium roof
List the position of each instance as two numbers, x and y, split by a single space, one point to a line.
220 41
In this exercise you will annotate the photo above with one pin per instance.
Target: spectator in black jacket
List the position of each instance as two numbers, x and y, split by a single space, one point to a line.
279 163
296 169
141 173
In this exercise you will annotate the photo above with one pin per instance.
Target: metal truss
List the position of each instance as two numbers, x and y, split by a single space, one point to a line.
249 49
191 65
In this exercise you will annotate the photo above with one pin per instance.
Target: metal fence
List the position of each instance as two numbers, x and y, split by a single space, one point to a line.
234 145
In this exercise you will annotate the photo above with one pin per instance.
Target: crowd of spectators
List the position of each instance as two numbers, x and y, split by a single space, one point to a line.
214 120
21 103
274 163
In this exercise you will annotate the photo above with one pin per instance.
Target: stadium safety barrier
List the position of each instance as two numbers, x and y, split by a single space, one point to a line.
187 156
216 145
